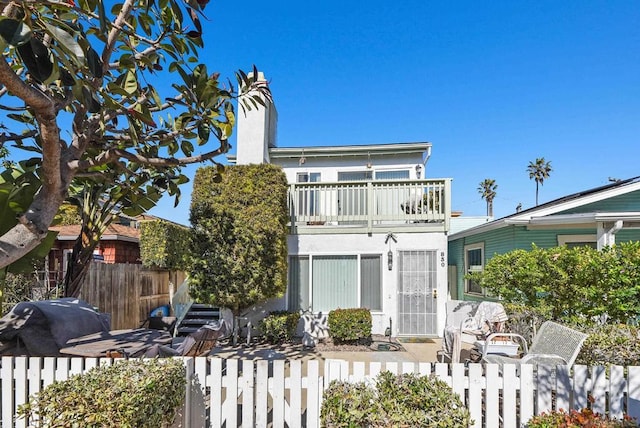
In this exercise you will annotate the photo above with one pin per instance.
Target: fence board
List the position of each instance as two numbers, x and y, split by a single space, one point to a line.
289 394
295 395
617 391
248 392
262 393
129 292
598 394
475 390
492 393
510 386
527 388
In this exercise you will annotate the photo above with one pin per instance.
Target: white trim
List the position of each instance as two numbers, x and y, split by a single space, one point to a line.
339 151
544 215
468 269
574 239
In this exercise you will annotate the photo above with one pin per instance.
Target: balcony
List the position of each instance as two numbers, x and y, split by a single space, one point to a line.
370 206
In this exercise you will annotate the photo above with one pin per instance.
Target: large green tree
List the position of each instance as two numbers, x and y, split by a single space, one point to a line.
539 171
239 242
487 189
110 93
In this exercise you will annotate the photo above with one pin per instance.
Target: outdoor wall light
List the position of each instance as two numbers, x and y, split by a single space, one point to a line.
390 259
418 171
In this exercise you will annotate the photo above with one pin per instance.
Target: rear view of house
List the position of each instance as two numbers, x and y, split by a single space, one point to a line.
367 229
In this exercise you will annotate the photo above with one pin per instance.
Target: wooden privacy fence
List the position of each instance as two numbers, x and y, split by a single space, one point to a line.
278 393
129 292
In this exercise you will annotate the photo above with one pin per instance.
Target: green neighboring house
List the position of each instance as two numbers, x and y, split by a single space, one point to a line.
597 217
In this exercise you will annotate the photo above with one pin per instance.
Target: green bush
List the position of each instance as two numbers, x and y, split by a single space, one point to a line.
572 285
350 325
611 344
164 245
578 419
280 326
133 394
406 400
239 235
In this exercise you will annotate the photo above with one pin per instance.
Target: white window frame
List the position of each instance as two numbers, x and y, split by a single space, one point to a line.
468 269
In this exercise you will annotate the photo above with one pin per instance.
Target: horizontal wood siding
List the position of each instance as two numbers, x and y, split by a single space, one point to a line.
628 202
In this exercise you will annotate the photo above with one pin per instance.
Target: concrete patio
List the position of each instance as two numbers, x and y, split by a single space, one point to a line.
414 351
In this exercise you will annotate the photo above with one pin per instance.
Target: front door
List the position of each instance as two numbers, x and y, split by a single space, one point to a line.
416 293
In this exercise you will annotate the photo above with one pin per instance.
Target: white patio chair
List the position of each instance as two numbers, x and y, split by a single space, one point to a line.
466 322
554 344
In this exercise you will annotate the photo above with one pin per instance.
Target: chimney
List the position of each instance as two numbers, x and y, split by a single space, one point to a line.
256 130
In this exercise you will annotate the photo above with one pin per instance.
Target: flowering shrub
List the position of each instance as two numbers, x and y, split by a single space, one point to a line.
579 419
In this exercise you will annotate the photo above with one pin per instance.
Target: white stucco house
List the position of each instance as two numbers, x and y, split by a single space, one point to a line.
367 228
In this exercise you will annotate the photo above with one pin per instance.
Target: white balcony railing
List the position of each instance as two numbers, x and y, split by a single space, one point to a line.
370 204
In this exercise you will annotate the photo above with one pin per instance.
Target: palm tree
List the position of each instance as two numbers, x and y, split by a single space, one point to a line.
539 171
487 189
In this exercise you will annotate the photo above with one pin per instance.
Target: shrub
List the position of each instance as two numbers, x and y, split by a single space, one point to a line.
239 235
280 326
135 393
573 285
164 245
406 400
577 419
611 344
350 325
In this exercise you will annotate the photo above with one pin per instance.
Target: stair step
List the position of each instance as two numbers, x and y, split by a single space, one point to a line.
186 330
197 321
203 306
202 313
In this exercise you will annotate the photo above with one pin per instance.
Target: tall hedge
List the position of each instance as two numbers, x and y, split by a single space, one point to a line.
239 235
164 245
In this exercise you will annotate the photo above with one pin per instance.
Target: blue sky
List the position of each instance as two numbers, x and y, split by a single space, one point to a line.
492 85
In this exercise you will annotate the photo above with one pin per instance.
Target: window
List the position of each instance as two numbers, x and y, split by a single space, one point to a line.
578 241
298 294
327 282
473 262
355 175
308 198
371 282
402 174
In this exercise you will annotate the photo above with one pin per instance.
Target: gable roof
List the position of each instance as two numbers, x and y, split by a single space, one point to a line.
115 232
547 213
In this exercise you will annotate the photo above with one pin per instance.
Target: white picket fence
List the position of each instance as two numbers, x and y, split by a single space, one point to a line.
278 393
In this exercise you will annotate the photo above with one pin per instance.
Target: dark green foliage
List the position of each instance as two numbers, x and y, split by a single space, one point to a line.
280 326
573 285
239 240
135 393
578 418
164 245
350 325
406 400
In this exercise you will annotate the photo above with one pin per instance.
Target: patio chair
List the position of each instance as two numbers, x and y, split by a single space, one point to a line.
196 344
466 322
554 344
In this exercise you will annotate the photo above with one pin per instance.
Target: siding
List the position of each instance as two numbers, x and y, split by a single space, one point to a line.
627 202
509 238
